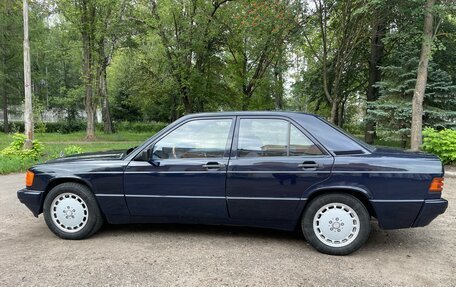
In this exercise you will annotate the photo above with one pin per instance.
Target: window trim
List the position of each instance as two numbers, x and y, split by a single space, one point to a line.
235 152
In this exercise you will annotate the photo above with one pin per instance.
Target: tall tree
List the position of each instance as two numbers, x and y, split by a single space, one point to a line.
82 14
28 112
189 34
341 29
421 78
377 47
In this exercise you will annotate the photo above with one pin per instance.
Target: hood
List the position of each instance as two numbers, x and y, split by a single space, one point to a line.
91 156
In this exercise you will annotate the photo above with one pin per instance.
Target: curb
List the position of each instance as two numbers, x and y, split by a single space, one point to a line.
450 173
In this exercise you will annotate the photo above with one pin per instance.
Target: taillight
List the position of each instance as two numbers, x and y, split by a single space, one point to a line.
29 176
436 184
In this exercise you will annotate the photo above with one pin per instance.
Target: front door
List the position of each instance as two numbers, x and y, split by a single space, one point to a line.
273 163
185 177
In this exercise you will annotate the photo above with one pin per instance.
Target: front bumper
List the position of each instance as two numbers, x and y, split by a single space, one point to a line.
33 199
430 210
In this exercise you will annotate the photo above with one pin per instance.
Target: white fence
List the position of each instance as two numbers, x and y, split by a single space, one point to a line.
16 114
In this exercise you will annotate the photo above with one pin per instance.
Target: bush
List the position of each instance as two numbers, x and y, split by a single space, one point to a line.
441 143
72 149
65 127
57 127
78 126
9 163
15 149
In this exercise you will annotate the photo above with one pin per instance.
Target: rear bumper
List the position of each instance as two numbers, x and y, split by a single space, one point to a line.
33 199
429 211
395 214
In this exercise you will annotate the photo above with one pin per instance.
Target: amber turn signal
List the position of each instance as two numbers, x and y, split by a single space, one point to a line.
436 184
29 176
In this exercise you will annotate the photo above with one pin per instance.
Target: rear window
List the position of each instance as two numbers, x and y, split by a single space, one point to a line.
333 138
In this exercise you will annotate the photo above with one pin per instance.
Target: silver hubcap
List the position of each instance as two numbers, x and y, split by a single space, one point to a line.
69 212
336 224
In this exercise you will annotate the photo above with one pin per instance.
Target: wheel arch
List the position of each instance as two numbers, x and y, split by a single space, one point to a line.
59 180
360 193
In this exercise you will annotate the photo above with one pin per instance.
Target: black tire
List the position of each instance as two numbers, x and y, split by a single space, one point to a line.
325 244
93 221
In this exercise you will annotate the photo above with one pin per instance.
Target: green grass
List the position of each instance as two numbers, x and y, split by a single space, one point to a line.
55 144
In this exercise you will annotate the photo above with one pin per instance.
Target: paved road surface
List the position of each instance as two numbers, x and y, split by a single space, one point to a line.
183 255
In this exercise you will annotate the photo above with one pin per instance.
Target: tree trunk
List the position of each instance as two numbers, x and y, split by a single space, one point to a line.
186 100
105 113
278 91
5 109
375 74
421 79
28 112
87 43
335 112
4 98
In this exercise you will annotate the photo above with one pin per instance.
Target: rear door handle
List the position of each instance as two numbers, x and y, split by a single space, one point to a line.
310 165
213 165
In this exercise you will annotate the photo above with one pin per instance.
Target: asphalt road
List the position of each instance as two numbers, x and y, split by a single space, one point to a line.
184 255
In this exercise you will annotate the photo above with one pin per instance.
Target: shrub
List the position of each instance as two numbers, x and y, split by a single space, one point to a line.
10 163
441 143
72 149
15 149
65 127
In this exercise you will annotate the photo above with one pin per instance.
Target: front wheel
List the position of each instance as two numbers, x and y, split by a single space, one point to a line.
71 211
336 224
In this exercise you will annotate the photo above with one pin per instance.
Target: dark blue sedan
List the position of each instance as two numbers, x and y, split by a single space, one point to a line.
279 170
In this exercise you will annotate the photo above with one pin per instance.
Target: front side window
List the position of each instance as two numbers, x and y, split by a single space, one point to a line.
273 137
195 139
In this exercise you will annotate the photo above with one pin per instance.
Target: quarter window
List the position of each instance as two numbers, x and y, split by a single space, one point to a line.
273 137
195 139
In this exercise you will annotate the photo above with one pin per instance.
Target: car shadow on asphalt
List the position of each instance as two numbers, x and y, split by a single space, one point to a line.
198 230
379 239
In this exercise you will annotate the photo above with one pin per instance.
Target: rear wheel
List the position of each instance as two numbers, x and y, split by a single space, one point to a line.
336 224
71 211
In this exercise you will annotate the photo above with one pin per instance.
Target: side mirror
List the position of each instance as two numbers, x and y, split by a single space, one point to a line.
145 155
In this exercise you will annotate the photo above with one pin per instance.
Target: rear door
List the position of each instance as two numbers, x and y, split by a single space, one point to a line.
273 162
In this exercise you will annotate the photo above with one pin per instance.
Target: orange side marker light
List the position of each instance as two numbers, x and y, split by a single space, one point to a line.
436 185
29 176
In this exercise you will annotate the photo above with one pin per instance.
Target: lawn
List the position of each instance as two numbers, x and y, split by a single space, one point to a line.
55 144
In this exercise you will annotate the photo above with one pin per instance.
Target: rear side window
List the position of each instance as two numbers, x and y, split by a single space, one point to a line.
300 144
273 137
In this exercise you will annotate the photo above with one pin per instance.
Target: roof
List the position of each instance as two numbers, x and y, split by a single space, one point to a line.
251 113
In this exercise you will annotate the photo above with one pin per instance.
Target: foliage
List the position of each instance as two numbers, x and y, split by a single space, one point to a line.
156 60
136 127
11 163
15 149
59 142
441 143
72 149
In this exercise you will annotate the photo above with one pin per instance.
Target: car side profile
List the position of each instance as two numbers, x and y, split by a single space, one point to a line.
282 170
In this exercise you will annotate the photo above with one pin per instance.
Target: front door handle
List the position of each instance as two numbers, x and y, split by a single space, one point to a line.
213 165
309 165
